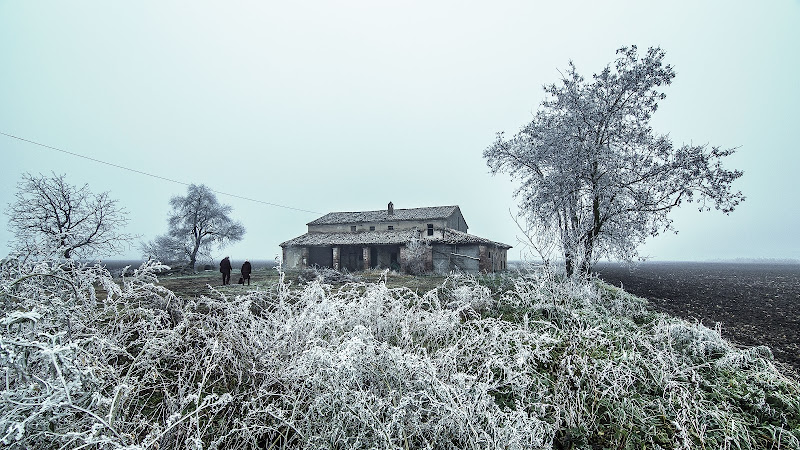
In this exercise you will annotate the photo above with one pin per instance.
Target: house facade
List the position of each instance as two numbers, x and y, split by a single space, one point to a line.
434 237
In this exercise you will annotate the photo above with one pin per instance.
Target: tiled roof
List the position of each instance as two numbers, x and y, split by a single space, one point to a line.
428 213
353 238
450 236
385 237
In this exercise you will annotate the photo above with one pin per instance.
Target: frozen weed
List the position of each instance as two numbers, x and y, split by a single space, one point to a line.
528 361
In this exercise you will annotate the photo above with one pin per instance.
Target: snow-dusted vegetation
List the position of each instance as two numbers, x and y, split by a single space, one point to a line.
525 361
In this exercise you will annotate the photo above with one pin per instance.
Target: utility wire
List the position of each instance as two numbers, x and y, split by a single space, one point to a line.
150 174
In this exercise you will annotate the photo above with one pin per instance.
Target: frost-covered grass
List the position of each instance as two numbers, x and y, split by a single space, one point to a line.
526 361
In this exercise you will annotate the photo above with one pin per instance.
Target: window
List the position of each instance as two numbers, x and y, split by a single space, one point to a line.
391 227
430 229
352 228
372 228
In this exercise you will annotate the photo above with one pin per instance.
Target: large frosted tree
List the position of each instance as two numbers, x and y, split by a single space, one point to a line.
52 217
197 224
594 175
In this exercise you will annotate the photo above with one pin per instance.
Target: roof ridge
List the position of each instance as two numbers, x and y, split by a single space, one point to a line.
396 209
383 215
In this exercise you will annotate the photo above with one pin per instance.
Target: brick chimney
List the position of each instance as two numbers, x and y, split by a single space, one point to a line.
391 208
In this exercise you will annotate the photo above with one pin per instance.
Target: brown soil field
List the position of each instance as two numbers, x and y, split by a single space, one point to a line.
755 303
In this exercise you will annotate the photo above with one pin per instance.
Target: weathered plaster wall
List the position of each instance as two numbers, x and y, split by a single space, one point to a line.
292 257
447 258
457 222
492 258
382 226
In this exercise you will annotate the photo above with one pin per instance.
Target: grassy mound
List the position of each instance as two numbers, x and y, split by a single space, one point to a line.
525 361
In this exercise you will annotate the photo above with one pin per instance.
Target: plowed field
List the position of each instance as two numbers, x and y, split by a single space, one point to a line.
756 304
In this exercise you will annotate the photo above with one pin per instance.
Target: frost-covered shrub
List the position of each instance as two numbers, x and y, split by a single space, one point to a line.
414 256
533 361
327 275
464 293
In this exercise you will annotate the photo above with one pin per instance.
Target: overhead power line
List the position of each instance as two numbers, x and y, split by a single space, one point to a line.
150 174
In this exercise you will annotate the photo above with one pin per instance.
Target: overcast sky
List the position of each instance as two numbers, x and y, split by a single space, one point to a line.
347 105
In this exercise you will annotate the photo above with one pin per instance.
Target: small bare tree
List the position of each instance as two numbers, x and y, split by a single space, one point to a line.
53 217
166 249
198 222
539 238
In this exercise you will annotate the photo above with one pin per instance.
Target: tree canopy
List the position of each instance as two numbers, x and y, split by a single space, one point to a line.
595 176
197 224
53 217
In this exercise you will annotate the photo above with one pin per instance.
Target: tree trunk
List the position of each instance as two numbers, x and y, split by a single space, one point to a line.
193 257
197 236
571 248
588 254
569 261
591 237
585 267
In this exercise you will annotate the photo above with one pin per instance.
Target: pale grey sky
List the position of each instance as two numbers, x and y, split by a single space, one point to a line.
347 105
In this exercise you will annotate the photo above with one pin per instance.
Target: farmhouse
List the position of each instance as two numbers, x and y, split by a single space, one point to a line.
434 239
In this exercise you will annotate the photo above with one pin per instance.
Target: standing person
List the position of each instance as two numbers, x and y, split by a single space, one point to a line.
246 269
225 267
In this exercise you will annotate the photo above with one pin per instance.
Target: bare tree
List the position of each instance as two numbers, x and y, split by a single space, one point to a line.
197 224
594 173
165 249
56 218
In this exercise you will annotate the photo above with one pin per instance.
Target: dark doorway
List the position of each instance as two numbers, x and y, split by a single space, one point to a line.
320 256
373 257
351 258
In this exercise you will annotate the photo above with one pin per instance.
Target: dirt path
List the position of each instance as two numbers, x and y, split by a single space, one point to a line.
198 284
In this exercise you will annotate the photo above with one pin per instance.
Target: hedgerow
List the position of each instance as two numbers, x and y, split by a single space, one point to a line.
522 361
